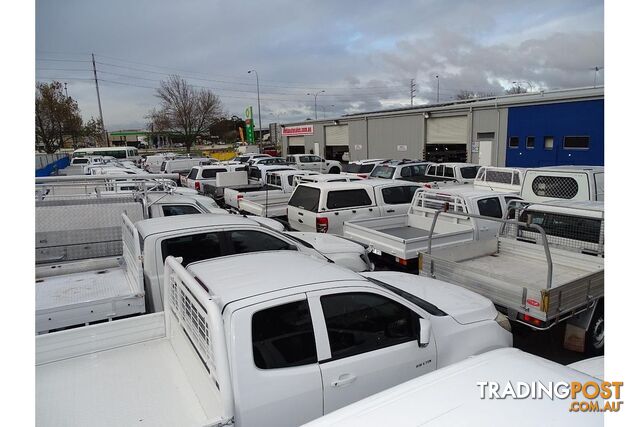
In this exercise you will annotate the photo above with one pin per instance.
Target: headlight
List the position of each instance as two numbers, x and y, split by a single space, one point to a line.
503 321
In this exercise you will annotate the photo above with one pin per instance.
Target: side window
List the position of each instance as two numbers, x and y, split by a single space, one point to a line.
171 210
599 178
347 199
315 158
440 171
511 206
193 174
283 336
398 195
432 170
405 172
448 172
245 241
490 207
360 322
304 159
193 248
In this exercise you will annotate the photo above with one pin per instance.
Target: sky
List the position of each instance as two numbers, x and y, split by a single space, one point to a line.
362 54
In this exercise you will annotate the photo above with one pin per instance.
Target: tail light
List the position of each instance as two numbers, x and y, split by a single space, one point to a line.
322 225
239 196
531 320
362 175
427 186
197 185
402 261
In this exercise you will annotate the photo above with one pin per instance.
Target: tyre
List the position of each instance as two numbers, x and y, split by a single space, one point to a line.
334 170
595 333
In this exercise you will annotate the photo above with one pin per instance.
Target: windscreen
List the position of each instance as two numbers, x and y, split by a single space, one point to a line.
306 198
383 171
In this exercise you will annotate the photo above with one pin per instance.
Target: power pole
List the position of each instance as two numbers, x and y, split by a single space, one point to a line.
438 90
95 78
65 90
412 87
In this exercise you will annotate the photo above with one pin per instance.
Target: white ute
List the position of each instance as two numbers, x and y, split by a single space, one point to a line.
577 183
314 163
234 346
451 397
324 207
402 237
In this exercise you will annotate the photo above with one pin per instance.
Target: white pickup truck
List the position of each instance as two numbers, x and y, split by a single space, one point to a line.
533 283
314 163
201 175
234 346
496 178
81 292
454 395
462 173
79 217
270 201
325 206
400 238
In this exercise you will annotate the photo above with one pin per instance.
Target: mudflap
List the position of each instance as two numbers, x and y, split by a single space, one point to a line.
575 334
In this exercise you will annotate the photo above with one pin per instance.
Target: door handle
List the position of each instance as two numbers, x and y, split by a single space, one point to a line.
391 210
300 221
343 380
300 213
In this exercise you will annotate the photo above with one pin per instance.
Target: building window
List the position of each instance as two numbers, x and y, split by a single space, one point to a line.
576 142
486 135
548 143
514 142
531 142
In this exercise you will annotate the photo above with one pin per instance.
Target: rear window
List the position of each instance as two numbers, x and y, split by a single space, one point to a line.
80 161
356 168
211 173
469 172
306 198
347 198
385 172
560 187
565 226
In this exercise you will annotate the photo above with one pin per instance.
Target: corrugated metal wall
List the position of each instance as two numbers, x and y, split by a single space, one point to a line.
398 137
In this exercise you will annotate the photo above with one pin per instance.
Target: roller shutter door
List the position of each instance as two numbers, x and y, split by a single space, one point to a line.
447 130
336 135
296 141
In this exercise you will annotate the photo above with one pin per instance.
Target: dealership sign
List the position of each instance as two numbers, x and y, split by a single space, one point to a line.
298 130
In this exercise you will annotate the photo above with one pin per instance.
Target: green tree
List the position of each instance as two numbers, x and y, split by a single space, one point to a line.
184 111
57 117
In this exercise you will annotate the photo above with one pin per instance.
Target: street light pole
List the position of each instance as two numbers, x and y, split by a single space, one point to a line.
315 102
259 113
438 89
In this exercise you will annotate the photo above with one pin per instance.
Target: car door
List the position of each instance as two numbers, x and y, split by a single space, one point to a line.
489 207
274 357
367 342
316 164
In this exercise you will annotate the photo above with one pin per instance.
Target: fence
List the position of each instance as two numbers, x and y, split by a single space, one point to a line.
47 164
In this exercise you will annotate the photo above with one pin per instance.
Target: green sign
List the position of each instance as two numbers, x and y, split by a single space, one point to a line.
248 125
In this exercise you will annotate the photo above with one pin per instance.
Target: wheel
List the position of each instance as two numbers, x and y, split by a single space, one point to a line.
334 170
595 333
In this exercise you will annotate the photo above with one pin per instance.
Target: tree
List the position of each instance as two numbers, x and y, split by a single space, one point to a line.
93 131
57 117
515 90
185 112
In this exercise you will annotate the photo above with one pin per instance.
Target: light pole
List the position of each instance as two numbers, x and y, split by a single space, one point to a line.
438 89
315 102
259 114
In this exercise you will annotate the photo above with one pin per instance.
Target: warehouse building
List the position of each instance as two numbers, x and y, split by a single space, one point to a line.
558 127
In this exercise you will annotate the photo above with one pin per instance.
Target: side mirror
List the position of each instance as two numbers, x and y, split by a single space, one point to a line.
425 332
